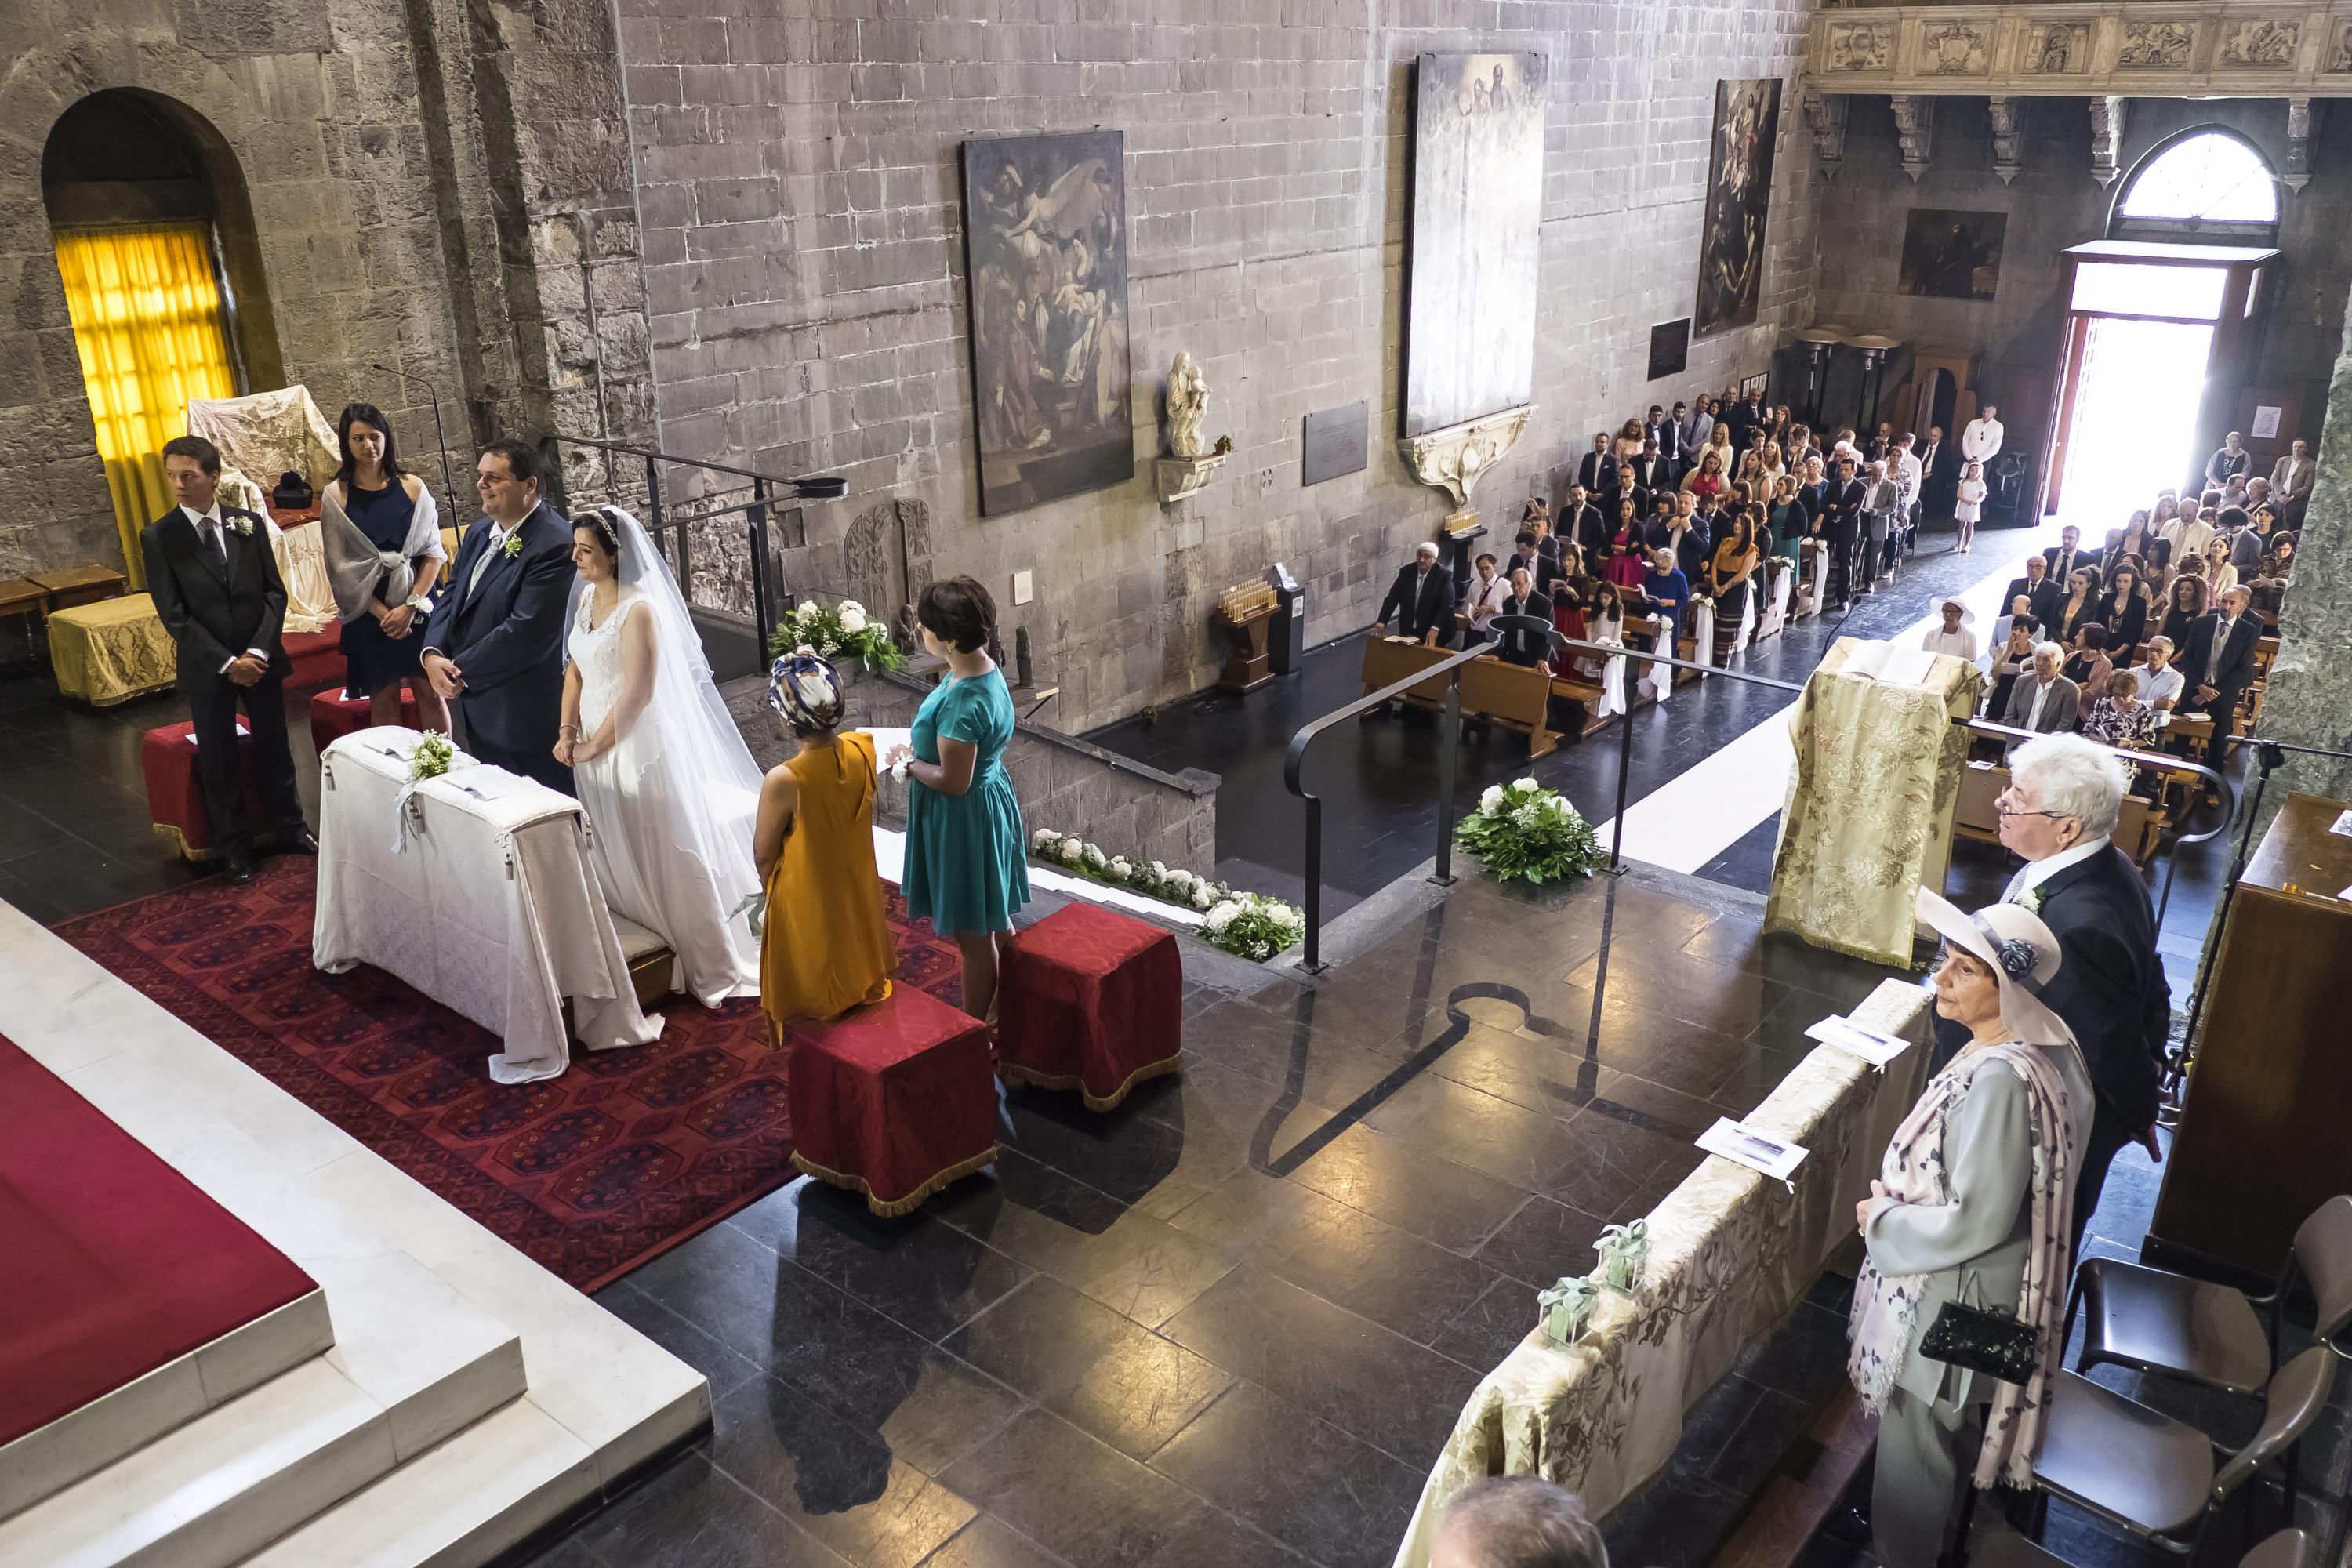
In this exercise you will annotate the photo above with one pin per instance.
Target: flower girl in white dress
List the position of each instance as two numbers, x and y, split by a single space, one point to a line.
669 786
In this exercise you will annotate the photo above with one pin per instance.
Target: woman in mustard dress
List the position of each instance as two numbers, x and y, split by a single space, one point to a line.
967 857
823 948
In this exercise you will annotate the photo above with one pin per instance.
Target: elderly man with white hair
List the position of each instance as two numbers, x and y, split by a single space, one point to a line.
2044 701
2065 794
1421 600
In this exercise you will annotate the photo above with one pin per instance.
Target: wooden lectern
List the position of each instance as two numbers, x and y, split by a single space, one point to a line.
2266 1134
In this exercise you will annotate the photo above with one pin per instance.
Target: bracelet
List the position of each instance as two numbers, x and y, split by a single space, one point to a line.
572 731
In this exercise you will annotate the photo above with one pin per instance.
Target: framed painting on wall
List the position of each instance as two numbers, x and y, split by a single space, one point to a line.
1045 268
1738 195
1952 254
1477 206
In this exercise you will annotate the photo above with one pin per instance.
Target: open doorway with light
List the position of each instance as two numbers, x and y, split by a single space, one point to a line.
2162 322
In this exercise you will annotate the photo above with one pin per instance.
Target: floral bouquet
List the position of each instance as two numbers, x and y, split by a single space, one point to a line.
1566 1308
1524 832
432 757
1250 926
1623 1248
1150 878
842 629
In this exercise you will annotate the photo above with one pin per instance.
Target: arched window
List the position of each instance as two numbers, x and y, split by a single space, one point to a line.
2208 184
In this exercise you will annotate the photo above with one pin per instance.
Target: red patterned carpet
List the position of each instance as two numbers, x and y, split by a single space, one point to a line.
590 1174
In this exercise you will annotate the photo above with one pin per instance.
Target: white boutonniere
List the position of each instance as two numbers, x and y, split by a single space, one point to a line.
2030 900
245 526
513 545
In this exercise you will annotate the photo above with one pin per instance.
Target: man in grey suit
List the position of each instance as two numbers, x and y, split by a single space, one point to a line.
2045 702
2291 479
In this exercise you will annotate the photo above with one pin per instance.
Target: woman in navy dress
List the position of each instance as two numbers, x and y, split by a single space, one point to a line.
383 543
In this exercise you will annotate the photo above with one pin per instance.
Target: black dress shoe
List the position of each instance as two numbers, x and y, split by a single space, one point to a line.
238 869
297 841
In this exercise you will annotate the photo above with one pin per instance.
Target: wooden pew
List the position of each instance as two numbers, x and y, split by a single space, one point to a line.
1511 696
2139 826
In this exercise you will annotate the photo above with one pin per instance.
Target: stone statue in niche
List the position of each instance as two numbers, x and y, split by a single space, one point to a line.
2259 45
1860 45
2155 46
2339 57
2062 49
1956 49
1188 406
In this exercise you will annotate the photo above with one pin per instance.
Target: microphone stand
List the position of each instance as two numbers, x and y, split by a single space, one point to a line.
447 487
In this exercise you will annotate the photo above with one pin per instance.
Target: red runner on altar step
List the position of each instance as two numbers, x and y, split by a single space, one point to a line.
589 1175
117 1263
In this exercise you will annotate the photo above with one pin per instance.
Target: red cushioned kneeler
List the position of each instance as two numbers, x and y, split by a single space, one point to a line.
317 658
896 1100
1090 1000
175 794
334 715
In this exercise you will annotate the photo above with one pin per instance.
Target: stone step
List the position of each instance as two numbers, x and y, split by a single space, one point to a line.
42 1463
415 1363
455 1506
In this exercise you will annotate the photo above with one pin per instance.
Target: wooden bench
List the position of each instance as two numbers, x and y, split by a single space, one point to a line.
79 585
2139 826
1515 696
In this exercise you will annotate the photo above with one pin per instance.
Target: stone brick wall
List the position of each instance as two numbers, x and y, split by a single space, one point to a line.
798 184
439 186
2055 204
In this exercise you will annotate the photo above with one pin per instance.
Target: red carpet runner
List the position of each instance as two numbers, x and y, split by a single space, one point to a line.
117 1263
590 1174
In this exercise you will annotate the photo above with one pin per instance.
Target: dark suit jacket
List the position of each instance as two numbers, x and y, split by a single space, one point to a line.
1411 615
1589 531
1598 472
1841 514
1644 472
2082 557
2110 987
1512 645
2237 671
1669 437
1542 568
506 633
2049 599
214 610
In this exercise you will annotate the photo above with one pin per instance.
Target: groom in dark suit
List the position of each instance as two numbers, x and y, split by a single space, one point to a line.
494 647
215 582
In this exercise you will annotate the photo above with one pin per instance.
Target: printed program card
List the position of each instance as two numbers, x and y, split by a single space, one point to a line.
1758 1152
1847 1036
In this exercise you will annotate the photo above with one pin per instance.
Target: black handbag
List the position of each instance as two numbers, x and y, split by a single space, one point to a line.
1981 1340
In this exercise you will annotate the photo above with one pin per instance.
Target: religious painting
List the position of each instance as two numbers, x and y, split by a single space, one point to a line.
2157 46
1477 207
2261 43
1045 267
1738 192
2060 48
1952 254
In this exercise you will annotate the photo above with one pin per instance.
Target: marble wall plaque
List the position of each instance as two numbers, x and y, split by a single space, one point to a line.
1338 442
2060 48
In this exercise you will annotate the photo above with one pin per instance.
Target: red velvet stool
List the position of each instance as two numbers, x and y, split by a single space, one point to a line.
176 791
334 715
317 657
896 1100
1090 1000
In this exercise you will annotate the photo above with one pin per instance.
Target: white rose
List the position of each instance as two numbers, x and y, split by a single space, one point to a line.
1043 839
1159 871
1073 852
1182 878
850 606
808 607
1525 784
1119 867
1202 898
1220 917
1096 858
1490 804
853 619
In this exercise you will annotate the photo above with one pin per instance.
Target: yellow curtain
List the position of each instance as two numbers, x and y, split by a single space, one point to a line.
147 319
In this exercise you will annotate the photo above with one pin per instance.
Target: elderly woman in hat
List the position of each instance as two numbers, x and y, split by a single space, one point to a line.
1951 634
1971 1206
823 948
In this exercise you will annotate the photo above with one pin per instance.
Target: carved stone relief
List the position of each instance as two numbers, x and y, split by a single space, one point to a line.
2007 137
1825 116
2157 46
1861 46
2107 137
2062 49
2261 43
1453 459
2339 49
1915 126
1956 49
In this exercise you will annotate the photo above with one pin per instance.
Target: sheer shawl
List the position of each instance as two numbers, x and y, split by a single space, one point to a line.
357 571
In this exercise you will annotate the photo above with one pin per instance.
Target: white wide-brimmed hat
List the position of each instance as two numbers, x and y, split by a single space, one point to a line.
1935 608
2021 953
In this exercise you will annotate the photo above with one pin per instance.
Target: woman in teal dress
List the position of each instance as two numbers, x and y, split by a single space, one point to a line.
967 866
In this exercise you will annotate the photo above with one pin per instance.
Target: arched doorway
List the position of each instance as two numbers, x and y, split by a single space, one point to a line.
155 249
2162 317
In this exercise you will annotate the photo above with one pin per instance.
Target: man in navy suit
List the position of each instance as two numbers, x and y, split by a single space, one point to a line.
494 648
215 581
2220 666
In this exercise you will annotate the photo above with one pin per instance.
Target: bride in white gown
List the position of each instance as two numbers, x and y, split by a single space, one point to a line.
669 787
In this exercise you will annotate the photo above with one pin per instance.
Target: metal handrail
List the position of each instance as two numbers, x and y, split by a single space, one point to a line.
765 594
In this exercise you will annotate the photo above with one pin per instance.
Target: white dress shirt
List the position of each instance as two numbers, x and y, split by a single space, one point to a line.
2033 873
2188 536
1910 473
1486 598
2042 689
1981 440
213 529
2158 684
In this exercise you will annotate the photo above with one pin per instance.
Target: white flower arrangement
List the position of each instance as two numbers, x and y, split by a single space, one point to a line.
842 630
1244 923
1524 832
1490 804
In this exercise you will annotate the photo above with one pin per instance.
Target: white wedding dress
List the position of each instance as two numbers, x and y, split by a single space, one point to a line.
669 808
